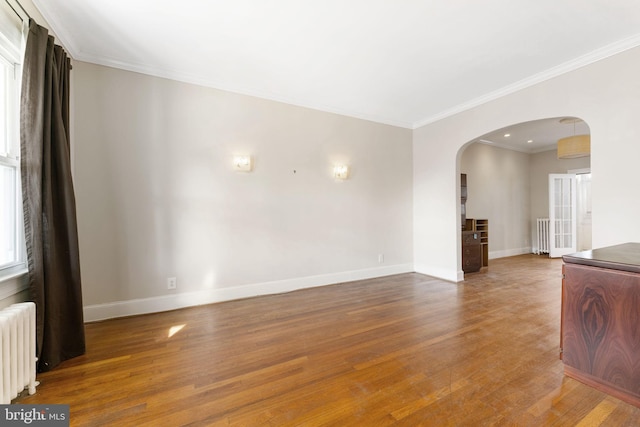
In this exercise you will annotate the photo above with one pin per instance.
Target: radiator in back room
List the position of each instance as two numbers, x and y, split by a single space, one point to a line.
542 236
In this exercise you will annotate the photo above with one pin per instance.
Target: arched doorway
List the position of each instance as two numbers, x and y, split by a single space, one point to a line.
507 176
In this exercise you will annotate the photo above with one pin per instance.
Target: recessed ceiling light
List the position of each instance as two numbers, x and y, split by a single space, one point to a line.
530 141
507 135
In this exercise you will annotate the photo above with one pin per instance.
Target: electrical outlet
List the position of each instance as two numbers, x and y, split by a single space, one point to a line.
380 258
172 283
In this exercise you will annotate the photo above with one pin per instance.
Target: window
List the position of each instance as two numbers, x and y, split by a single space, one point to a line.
11 252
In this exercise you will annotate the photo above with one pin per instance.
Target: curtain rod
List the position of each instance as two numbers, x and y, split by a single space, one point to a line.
16 12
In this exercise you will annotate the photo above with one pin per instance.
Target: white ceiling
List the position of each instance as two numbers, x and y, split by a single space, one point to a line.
405 63
537 135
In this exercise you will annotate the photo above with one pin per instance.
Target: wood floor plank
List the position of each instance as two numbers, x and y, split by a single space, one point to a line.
405 350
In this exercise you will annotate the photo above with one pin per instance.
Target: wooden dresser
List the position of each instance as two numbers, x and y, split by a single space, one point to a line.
475 245
471 251
600 323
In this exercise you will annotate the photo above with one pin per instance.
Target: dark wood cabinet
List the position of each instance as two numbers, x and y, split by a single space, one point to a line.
475 235
471 252
475 245
600 330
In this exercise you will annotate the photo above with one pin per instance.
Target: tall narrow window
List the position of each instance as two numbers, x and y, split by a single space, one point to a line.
12 253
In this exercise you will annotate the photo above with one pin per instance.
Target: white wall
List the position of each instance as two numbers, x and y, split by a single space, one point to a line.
605 94
157 196
498 189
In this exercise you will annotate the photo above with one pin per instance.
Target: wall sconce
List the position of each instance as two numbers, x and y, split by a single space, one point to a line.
341 172
242 163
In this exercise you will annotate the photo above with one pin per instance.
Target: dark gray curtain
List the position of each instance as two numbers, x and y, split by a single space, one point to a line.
49 201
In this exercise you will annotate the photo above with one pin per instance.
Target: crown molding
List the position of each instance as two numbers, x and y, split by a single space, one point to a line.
55 26
582 61
214 84
49 13
579 62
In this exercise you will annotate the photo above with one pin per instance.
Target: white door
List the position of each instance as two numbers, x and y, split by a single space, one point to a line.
583 210
562 215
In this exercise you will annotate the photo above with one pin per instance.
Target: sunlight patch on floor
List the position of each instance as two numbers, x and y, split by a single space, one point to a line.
175 329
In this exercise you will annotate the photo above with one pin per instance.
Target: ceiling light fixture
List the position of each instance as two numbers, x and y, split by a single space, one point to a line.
507 135
575 146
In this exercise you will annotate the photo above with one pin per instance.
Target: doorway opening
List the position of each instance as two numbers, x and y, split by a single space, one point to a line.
507 176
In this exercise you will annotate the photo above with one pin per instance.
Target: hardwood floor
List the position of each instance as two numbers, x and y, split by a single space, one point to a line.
403 350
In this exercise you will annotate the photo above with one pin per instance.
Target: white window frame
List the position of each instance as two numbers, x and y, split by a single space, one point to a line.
13 275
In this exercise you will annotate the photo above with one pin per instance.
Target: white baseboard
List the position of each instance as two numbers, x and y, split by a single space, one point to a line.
458 275
509 252
440 273
209 296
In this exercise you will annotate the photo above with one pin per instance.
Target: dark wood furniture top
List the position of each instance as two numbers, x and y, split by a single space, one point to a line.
625 257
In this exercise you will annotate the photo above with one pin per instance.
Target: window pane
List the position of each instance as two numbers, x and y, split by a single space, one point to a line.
8 241
4 147
12 252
